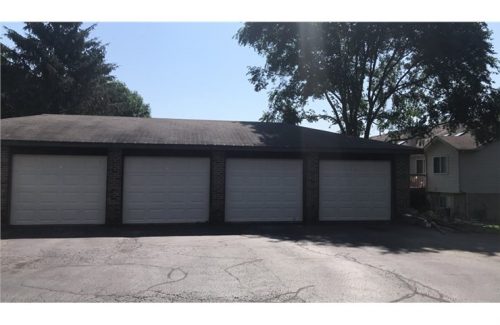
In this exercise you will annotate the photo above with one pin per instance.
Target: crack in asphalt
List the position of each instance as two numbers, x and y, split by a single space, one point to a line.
113 297
192 297
295 295
158 295
177 274
58 290
136 295
257 299
411 284
169 277
240 264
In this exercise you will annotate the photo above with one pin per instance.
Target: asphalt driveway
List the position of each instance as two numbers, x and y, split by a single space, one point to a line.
273 263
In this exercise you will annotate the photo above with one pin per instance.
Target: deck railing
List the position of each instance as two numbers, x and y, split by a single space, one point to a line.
418 181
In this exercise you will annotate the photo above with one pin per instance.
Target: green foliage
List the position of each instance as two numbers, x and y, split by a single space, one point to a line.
58 68
114 98
407 77
485 120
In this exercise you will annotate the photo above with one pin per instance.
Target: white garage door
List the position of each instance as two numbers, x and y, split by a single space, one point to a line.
354 190
166 189
53 189
263 190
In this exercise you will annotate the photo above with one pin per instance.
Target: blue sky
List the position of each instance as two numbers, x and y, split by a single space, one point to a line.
193 70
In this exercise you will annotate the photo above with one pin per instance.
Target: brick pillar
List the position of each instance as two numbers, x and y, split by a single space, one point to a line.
311 188
401 185
217 186
6 158
114 183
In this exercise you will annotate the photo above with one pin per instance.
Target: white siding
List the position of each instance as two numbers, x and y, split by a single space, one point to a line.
480 170
448 182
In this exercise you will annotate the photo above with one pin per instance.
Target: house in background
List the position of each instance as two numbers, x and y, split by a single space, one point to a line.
418 166
461 178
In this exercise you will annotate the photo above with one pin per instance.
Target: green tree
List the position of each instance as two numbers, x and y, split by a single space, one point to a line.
114 98
401 77
59 68
485 121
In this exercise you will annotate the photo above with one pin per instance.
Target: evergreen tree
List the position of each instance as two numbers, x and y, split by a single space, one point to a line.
58 68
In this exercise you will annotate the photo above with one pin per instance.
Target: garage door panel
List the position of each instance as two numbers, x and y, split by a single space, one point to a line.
24 215
58 189
49 216
166 190
354 190
263 190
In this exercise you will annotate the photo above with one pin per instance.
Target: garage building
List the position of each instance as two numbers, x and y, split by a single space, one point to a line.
71 169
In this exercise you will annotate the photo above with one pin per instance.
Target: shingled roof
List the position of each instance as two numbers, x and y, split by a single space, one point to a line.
463 142
420 142
179 133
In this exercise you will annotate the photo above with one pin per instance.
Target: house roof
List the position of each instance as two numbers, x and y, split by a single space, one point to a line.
132 131
462 142
381 137
421 142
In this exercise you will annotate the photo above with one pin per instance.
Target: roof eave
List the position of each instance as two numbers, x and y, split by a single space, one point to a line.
25 143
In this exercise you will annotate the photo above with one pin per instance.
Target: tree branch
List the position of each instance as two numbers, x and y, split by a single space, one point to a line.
399 86
339 121
382 79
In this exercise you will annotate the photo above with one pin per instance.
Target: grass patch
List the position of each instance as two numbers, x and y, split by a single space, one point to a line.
477 227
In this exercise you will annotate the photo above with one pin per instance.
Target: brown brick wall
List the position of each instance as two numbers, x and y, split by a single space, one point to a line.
401 183
311 188
114 185
6 158
217 186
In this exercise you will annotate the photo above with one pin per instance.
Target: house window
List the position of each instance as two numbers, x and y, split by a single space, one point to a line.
440 165
420 166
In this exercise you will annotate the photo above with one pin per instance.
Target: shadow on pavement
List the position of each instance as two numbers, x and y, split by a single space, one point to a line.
389 237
